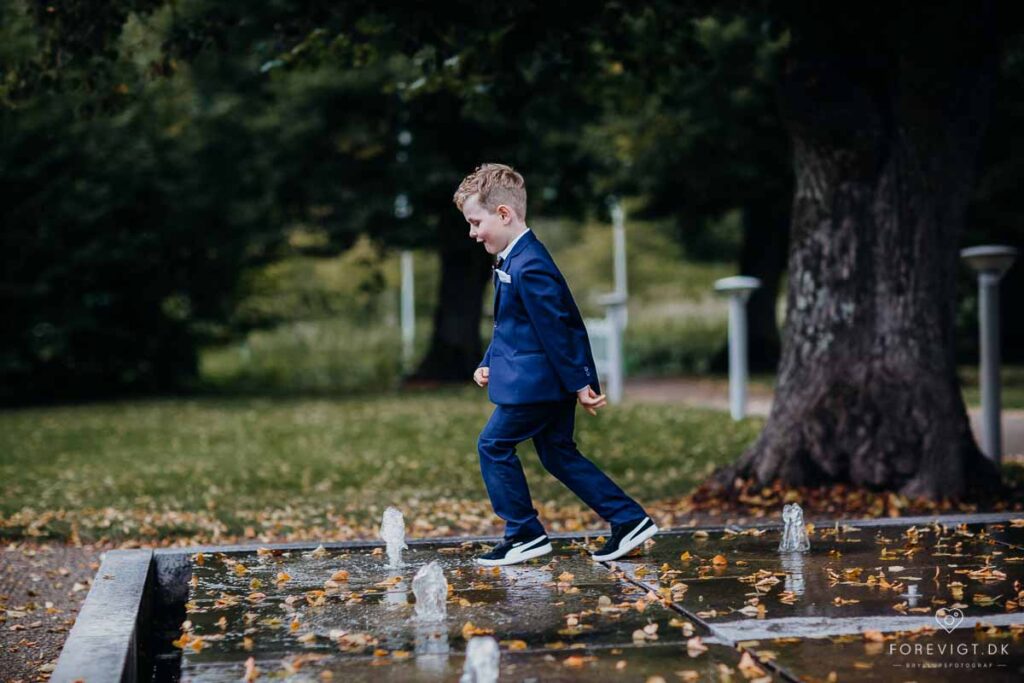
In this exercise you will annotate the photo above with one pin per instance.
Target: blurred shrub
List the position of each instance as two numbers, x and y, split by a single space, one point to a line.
312 357
673 346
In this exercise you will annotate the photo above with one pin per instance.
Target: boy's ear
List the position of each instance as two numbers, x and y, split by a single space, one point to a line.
504 213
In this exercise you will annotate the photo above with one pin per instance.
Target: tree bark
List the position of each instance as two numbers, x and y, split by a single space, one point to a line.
763 255
455 349
885 114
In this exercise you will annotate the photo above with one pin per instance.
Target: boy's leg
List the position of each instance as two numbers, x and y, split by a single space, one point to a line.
559 455
503 473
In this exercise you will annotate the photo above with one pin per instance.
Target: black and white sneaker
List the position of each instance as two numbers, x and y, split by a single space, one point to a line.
515 550
624 538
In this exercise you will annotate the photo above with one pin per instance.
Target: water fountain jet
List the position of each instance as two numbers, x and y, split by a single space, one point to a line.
431 591
392 530
794 533
482 659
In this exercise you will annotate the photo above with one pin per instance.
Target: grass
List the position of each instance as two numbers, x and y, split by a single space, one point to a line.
1011 378
215 467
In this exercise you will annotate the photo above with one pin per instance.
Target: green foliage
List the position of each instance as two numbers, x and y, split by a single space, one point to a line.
689 124
352 285
332 322
160 157
140 194
307 357
673 346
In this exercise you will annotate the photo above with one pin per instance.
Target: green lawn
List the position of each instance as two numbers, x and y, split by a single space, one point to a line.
214 466
1011 377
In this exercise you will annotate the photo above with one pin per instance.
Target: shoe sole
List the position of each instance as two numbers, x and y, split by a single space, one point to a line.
629 547
528 555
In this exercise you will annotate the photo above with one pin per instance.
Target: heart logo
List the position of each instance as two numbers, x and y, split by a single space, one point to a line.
949 619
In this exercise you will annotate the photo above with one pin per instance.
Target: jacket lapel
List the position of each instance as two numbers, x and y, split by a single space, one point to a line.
498 285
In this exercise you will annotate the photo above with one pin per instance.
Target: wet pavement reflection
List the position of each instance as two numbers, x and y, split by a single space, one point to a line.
696 605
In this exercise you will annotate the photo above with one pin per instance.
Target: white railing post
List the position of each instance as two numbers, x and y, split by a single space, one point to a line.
614 371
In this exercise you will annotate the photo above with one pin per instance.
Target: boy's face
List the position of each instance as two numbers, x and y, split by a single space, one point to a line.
493 230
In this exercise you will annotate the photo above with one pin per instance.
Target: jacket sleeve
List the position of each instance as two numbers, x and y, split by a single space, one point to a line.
486 362
542 293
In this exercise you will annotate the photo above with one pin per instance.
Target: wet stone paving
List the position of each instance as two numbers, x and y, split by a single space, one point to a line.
885 603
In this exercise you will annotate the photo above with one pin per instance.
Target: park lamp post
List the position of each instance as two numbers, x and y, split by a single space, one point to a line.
738 289
990 262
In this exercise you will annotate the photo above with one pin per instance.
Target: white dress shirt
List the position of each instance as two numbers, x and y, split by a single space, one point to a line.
507 250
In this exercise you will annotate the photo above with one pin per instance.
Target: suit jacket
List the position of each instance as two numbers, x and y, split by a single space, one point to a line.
540 350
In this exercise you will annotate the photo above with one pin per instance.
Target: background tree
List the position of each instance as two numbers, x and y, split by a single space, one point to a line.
469 83
993 215
885 108
691 127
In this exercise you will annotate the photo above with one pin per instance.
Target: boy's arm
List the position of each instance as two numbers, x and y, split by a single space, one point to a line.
541 293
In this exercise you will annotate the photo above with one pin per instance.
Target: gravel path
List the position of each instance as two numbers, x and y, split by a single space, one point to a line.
42 587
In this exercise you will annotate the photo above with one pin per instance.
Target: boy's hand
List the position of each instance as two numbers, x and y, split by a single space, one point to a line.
590 400
482 376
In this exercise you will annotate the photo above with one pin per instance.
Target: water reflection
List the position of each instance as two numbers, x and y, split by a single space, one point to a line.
793 565
431 647
397 596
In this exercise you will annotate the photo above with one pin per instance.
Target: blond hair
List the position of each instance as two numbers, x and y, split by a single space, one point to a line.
495 184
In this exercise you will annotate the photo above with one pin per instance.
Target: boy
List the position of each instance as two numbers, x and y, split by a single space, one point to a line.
537 367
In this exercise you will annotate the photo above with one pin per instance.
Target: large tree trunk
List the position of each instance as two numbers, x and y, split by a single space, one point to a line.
763 255
455 349
885 113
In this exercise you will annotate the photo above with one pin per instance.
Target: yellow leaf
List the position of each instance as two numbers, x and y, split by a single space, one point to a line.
469 629
251 670
749 668
695 647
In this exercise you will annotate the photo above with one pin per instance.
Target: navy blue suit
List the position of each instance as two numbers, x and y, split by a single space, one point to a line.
539 357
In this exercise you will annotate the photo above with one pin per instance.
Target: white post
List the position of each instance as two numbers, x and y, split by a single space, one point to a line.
408 313
991 262
619 252
737 356
615 377
988 319
615 356
738 289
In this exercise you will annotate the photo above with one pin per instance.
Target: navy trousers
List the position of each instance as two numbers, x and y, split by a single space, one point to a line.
550 425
